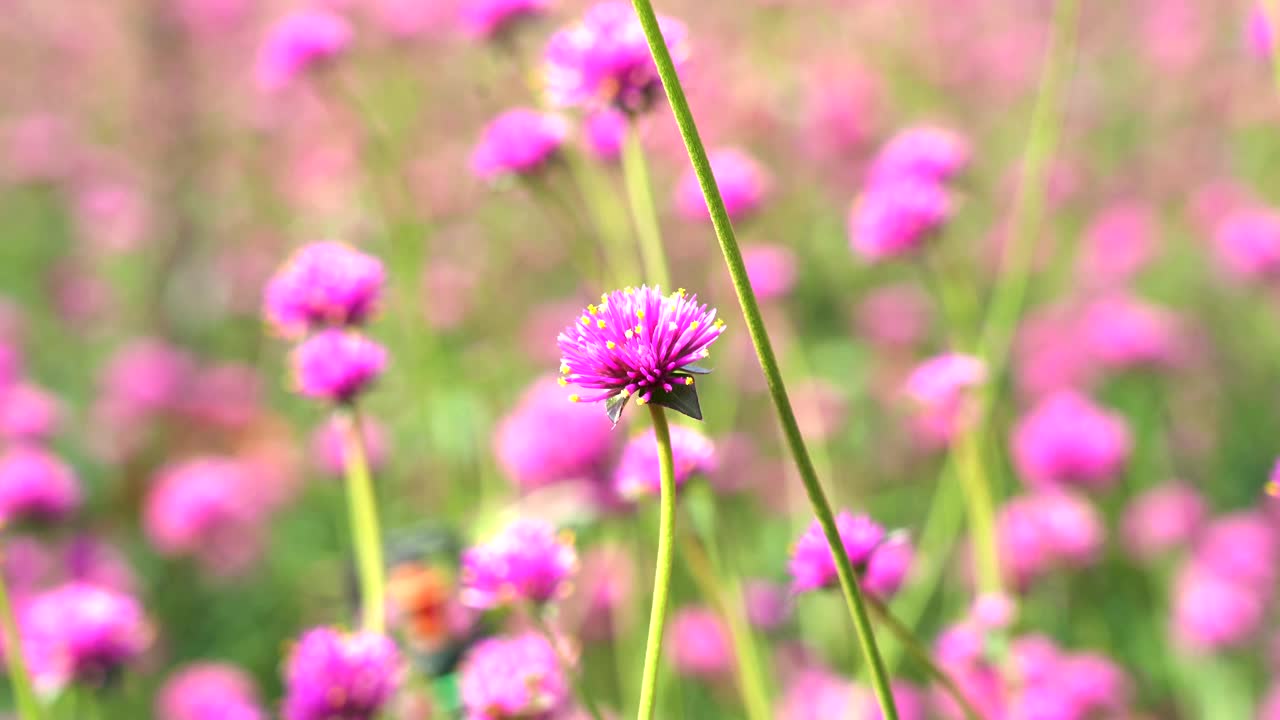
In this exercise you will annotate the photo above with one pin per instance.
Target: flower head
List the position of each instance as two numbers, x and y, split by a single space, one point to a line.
813 567
527 561
545 440
927 153
771 269
742 182
36 485
324 283
337 365
604 131
894 217
204 691
940 390
692 453
518 142
639 343
1068 440
700 645
511 678
603 60
202 507
1163 518
1247 241
1042 531
297 43
486 18
1121 331
79 632
1260 33
331 674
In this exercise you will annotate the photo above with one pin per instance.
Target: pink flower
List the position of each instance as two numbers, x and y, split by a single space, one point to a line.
742 182
1261 33
80 632
700 645
895 315
1248 243
323 283
518 142
298 43
486 18
1068 440
1121 331
1162 519
1118 243
28 413
637 475
329 442
203 691
337 365
1045 530
925 153
813 567
527 562
895 217
940 388
204 508
544 439
604 131
36 485
771 270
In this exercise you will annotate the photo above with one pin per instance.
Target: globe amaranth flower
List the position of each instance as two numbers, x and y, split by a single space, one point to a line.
895 217
204 507
337 365
700 645
545 440
940 389
209 691
928 153
604 131
771 269
815 694
1162 519
743 184
484 19
1119 242
80 632
298 43
639 343
332 674
1260 31
323 283
813 567
1042 531
513 678
28 413
1247 241
1068 440
603 60
1120 331
35 485
529 561
329 443
518 142
692 453
767 604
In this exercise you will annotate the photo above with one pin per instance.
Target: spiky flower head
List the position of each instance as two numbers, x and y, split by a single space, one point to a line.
331 674
639 343
528 561
507 678
80 632
322 284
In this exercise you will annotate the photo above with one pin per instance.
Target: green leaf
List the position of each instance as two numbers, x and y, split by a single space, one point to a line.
683 399
695 369
613 407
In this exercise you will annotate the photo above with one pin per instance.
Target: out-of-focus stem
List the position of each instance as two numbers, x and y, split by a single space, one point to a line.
607 215
366 538
662 568
19 677
644 214
921 655
764 350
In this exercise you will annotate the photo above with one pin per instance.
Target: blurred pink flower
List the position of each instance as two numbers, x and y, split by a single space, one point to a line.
38 147
771 269
112 215
1248 243
636 476
546 439
924 153
1162 519
1118 243
1121 331
895 217
1260 31
1067 440
337 365
700 645
328 443
768 604
1041 531
36 486
743 184
841 106
208 690
298 43
486 18
605 583
604 132
895 315
940 390
518 142
28 413
821 408
204 508
227 395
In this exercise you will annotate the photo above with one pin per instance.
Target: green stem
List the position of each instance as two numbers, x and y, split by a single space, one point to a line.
662 569
921 655
567 665
764 350
19 678
644 214
365 535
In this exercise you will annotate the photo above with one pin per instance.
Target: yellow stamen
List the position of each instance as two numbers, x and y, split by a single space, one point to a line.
600 324
629 333
640 314
688 381
564 369
611 344
694 325
586 320
591 309
575 398
641 401
626 393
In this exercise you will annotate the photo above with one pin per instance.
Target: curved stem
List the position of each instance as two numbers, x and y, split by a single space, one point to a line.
764 351
566 664
19 677
365 535
635 173
662 569
921 655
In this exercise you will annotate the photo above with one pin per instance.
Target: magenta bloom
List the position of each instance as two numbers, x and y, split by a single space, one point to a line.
205 691
814 694
513 678
1248 243
700 645
940 388
742 182
931 154
329 443
888 567
337 365
1212 610
604 131
529 561
518 142
1068 440
907 698
531 445
1162 519
603 60
36 485
768 604
639 342
323 283
27 413
80 632
298 43
331 674
813 567
692 453
894 217
204 507
895 315
144 377
1118 243
486 18
1260 34
1040 532
771 270
1122 332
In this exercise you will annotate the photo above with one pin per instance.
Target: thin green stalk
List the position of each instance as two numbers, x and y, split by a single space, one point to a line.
921 655
764 350
635 171
567 665
594 188
19 678
365 535
662 569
